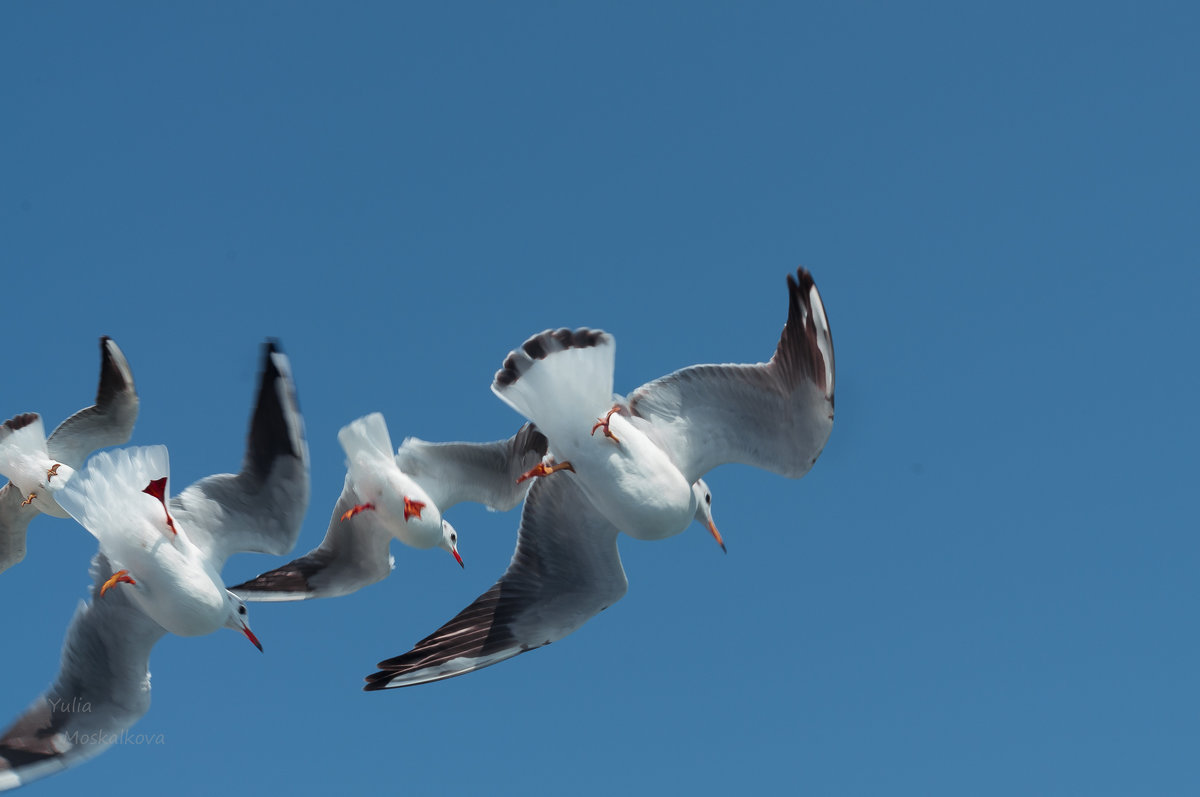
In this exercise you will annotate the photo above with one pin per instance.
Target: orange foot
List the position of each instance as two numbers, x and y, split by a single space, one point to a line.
412 507
158 489
29 499
603 424
119 577
50 474
354 510
541 469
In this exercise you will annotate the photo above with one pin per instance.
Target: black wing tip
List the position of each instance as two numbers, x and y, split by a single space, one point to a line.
543 344
116 377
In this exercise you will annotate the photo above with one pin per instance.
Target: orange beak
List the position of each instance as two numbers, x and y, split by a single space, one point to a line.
712 527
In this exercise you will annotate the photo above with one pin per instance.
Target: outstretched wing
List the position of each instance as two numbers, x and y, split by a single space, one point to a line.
353 554
485 473
102 689
566 570
775 415
108 422
262 507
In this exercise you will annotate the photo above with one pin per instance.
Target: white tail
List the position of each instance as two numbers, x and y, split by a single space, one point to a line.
100 495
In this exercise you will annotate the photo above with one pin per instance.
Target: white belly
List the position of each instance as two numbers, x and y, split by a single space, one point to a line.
634 484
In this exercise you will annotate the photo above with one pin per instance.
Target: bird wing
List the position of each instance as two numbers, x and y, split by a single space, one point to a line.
565 570
102 688
262 507
485 473
108 422
353 554
14 521
775 415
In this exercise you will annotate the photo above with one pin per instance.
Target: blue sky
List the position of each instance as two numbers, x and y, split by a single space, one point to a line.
987 584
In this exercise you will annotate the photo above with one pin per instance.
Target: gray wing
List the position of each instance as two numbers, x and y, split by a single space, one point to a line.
353 554
485 473
566 570
262 507
102 689
14 521
775 415
108 422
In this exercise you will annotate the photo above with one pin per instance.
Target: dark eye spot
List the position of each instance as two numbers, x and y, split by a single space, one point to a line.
708 498
241 610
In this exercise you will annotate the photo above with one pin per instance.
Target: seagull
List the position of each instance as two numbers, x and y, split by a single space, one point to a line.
355 552
108 422
105 658
566 568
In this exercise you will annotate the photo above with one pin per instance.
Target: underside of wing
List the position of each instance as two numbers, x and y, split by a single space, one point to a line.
262 507
566 570
775 415
353 555
485 473
108 422
14 523
102 689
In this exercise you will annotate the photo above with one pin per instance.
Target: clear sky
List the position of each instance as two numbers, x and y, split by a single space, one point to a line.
988 583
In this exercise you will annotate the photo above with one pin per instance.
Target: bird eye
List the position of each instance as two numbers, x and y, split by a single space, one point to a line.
708 498
241 610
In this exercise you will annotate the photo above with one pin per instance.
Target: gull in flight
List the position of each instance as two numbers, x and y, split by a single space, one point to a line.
639 476
37 466
380 490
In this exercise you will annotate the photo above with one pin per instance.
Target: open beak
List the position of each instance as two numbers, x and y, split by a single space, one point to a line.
250 635
712 527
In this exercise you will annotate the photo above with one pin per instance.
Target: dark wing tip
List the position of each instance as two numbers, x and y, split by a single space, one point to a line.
116 377
270 426
292 577
799 351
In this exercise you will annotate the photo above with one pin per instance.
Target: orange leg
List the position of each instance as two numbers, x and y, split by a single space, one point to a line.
158 489
603 424
119 577
541 469
50 474
412 507
354 510
29 499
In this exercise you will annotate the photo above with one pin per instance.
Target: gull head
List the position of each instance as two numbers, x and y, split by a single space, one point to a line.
237 618
450 541
703 499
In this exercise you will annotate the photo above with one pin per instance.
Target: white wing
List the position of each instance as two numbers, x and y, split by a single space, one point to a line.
775 415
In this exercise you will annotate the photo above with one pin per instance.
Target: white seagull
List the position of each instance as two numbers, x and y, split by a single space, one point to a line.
355 551
157 571
638 477
37 466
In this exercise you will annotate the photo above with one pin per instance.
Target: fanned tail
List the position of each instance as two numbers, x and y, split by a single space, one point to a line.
99 496
22 438
558 377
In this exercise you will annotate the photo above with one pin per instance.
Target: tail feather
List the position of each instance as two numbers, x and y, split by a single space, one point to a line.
99 495
366 436
558 377
22 442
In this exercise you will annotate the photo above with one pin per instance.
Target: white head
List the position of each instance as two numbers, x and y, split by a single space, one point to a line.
703 498
237 618
450 541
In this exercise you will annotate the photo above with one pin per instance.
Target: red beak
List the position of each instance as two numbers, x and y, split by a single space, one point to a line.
459 558
250 635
